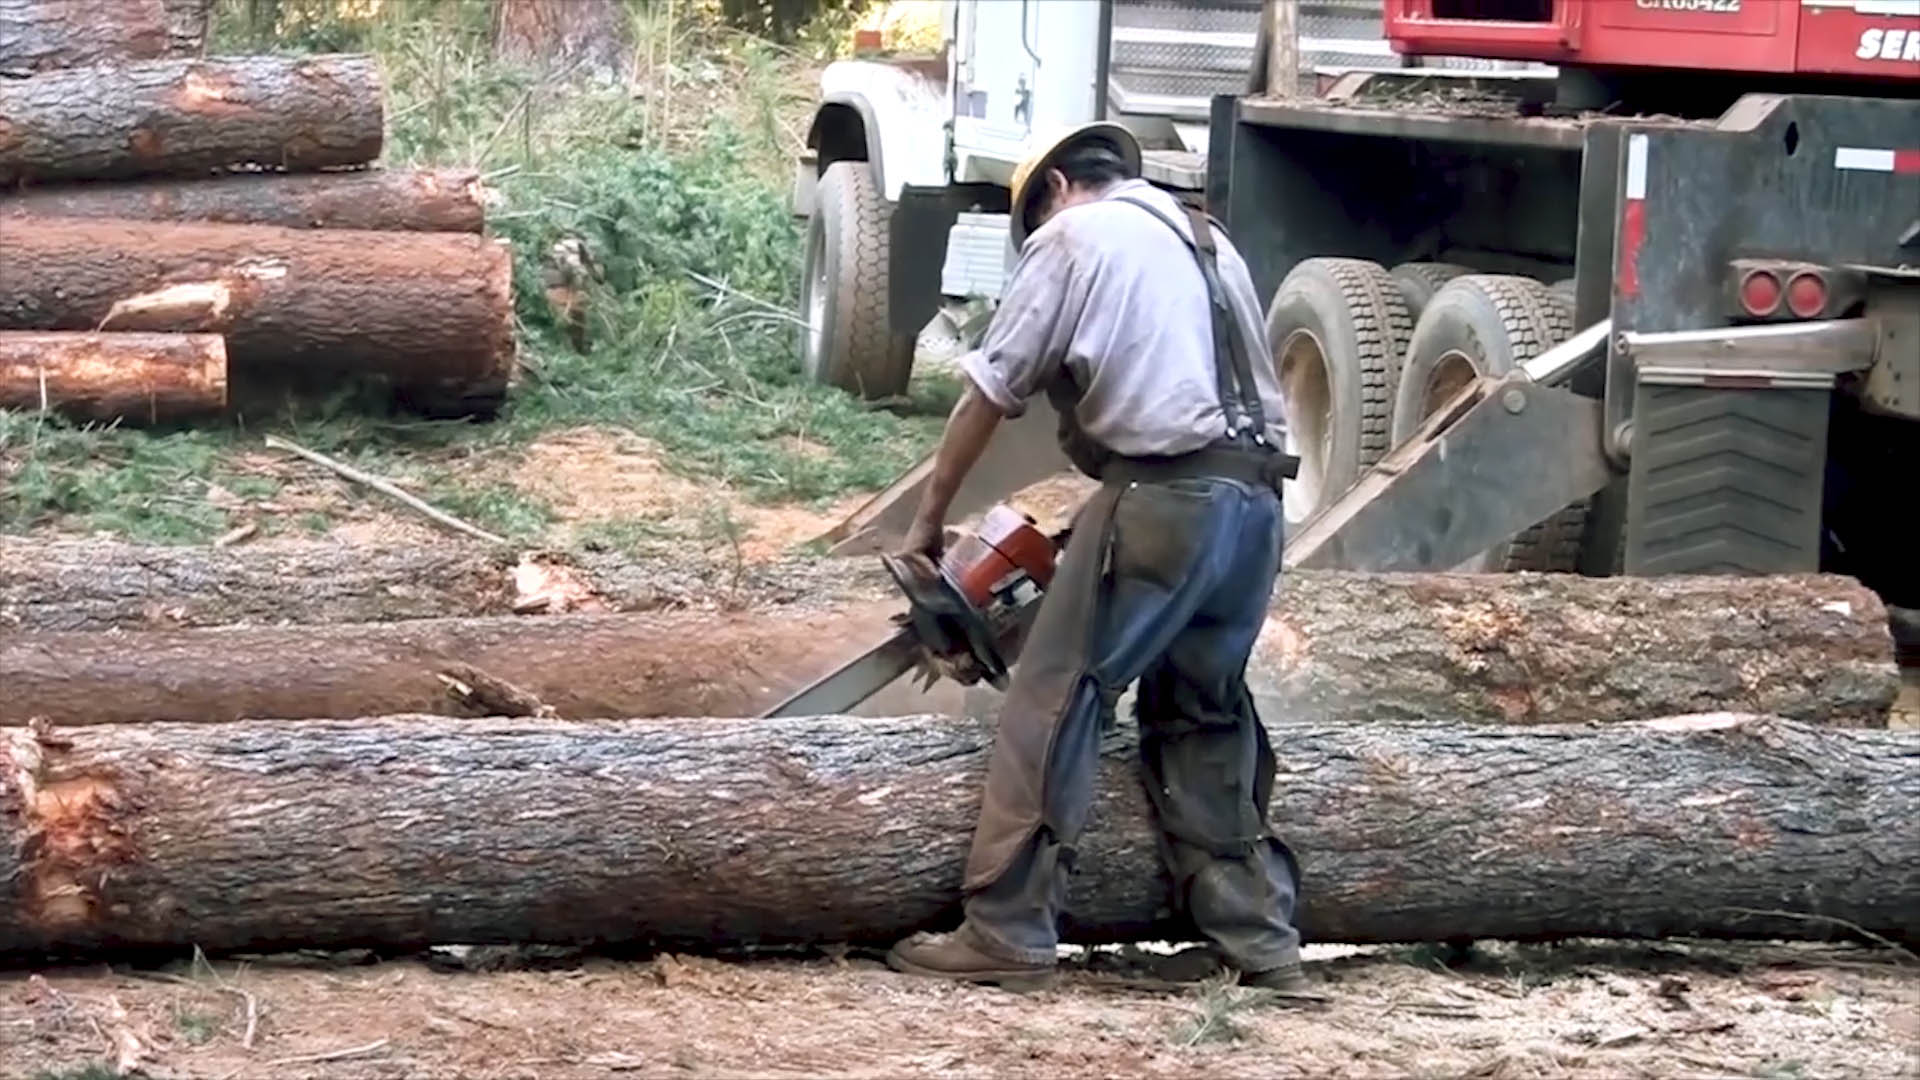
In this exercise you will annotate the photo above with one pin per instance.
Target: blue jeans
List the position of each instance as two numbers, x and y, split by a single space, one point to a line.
1171 589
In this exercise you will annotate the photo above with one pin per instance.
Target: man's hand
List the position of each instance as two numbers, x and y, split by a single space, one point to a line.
968 429
925 537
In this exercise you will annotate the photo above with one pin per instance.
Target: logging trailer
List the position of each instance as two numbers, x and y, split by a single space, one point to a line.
1633 288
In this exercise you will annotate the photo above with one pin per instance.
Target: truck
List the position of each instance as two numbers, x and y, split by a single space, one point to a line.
1607 286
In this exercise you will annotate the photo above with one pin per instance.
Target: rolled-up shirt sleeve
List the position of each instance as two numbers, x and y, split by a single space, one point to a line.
1032 329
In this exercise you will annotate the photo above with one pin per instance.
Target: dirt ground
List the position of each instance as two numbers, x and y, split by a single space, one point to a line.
1581 1009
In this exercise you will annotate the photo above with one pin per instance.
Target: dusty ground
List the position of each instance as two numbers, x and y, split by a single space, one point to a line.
1576 1010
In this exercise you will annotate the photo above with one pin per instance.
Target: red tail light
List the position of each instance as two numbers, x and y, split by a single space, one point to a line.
1807 295
1760 293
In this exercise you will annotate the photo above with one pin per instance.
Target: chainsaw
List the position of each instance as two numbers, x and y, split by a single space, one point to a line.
965 617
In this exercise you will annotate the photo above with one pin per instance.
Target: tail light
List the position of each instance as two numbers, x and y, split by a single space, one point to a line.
1760 293
1782 290
1807 294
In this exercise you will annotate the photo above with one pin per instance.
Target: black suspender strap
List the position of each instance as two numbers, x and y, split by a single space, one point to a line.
1232 368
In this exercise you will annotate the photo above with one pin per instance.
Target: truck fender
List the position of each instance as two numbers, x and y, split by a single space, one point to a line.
845 129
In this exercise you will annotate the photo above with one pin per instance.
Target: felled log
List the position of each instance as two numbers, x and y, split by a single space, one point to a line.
668 663
405 201
1338 648
407 831
42 35
190 117
138 378
76 585
428 311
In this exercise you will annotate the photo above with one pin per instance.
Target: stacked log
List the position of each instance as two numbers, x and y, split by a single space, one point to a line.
149 377
433 312
46 35
154 194
407 201
190 117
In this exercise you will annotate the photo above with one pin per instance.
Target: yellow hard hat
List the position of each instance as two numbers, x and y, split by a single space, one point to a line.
1029 179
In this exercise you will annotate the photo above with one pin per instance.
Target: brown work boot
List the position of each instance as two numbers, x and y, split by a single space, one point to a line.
965 956
1287 981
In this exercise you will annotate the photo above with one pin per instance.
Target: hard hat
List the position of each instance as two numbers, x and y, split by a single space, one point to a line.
1030 178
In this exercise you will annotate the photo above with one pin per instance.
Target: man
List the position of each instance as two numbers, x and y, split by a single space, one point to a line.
1168 397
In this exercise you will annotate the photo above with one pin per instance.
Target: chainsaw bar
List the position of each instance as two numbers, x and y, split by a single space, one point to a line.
857 680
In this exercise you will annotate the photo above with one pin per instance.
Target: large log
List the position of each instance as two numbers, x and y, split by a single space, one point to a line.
432 312
190 117
43 35
79 585
1339 647
376 199
138 378
407 831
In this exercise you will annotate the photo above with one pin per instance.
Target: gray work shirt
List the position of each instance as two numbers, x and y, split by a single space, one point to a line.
1106 291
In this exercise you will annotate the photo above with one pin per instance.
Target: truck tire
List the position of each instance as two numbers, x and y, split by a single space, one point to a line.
848 341
1338 328
1418 282
1489 324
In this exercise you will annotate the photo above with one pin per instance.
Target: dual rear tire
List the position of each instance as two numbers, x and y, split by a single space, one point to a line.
1365 355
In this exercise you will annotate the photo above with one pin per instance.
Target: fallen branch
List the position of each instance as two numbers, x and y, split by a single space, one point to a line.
387 488
309 1059
1829 920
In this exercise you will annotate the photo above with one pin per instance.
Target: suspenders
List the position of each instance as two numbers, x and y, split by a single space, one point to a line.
1232 368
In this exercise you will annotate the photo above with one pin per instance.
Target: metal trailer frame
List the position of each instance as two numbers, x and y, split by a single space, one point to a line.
1706 431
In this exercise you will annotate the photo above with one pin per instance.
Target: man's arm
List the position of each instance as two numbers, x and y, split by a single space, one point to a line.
1022 350
969 427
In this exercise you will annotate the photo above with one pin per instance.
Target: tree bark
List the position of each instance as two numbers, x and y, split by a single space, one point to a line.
670 663
584 36
402 832
187 22
429 311
1531 648
1338 648
138 378
97 585
190 117
373 199
45 35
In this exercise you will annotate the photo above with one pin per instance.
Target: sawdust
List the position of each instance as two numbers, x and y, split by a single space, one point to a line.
1579 1010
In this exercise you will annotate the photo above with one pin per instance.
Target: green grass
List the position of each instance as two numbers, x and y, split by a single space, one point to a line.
657 187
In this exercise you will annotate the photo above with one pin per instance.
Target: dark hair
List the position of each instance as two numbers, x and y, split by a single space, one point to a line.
1094 163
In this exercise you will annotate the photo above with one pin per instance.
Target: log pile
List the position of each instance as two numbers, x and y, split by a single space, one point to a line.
187 736
145 190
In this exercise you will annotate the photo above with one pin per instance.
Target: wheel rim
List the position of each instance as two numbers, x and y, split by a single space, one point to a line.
814 290
1450 375
1306 385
